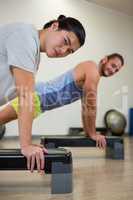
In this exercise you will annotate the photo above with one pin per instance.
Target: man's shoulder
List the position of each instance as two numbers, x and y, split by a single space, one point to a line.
90 67
88 71
24 27
23 34
17 25
91 71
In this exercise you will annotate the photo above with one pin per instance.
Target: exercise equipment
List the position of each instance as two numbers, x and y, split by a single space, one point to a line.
2 130
114 148
115 122
58 162
130 131
79 131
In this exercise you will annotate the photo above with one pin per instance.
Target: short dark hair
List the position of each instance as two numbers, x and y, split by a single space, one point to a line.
70 24
116 55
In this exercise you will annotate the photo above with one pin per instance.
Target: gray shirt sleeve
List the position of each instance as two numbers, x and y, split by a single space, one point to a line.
22 50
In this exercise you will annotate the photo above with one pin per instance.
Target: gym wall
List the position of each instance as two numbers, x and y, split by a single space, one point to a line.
107 31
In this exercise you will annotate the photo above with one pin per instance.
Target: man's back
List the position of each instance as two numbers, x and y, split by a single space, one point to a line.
58 92
19 47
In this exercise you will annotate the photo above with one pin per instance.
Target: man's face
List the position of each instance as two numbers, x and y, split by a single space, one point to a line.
111 66
60 43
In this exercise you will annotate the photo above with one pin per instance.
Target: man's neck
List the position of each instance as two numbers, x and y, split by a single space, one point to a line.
100 69
42 39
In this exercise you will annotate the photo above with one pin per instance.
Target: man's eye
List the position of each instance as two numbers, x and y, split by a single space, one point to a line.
65 41
114 66
71 51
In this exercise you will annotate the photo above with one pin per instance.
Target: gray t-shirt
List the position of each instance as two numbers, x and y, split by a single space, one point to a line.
20 47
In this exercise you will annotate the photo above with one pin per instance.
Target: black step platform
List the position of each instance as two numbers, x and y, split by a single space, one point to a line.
114 149
58 162
76 131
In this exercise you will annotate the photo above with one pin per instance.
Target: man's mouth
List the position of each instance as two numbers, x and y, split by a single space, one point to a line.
56 52
110 72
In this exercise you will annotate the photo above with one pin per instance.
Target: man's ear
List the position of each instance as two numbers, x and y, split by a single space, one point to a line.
55 26
104 60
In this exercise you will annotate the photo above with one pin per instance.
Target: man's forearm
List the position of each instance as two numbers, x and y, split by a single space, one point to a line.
89 112
89 121
25 119
90 130
25 128
89 108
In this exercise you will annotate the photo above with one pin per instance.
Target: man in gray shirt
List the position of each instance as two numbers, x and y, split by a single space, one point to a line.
20 47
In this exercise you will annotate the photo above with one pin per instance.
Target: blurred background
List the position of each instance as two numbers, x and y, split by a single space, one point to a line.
109 29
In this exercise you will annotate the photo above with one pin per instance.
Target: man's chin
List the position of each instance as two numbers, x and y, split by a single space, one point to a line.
50 55
105 74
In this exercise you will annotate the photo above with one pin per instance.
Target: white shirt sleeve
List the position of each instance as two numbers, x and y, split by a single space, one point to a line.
22 50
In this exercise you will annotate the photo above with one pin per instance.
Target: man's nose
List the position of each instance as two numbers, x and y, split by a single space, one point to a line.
66 50
113 71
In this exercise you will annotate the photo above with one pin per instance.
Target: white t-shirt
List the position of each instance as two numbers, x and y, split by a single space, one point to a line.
20 47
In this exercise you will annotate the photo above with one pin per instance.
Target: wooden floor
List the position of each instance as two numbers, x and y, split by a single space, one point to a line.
95 178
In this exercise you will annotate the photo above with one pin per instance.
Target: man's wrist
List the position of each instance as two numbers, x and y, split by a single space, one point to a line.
91 134
25 144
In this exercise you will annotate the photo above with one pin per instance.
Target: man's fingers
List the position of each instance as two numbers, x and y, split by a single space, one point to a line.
105 143
32 163
35 155
97 143
101 143
38 162
45 150
28 162
42 160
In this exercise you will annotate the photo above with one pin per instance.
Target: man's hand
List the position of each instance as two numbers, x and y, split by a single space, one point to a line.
100 140
34 154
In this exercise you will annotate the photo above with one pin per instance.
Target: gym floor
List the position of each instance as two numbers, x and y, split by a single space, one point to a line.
94 177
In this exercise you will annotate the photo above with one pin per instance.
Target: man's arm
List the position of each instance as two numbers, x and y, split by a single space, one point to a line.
25 87
89 107
89 112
